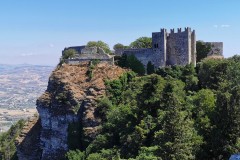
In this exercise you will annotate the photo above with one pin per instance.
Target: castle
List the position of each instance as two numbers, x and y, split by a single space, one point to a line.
167 48
174 48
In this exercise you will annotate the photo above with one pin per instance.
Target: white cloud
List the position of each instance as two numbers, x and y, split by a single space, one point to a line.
51 45
26 54
221 26
225 25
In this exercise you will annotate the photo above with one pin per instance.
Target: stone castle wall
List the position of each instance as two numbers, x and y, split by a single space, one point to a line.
193 49
90 57
143 55
76 48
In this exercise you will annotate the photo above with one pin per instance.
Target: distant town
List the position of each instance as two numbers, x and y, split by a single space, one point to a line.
20 86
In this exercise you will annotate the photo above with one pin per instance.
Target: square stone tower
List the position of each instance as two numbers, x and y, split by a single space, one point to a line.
174 48
159 46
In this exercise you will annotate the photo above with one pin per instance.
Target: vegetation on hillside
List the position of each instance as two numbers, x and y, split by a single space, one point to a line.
7 141
131 62
181 112
202 50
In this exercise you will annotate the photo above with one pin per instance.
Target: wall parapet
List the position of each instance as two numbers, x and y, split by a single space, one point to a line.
120 52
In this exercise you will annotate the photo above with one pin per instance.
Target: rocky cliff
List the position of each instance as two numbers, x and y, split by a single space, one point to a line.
71 97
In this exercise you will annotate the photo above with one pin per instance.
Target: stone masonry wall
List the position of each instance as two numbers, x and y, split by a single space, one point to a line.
144 55
193 50
90 57
179 47
159 45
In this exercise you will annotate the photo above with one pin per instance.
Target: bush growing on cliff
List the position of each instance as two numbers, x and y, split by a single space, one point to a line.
103 106
69 53
150 68
7 141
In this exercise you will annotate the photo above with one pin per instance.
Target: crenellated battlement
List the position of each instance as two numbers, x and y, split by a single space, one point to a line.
163 30
179 30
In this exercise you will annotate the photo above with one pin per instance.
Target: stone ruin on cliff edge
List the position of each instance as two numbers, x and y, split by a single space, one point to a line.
89 54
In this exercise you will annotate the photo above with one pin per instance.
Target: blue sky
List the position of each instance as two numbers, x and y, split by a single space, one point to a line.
36 32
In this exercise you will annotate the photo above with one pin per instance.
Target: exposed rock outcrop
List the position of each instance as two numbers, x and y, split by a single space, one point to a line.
71 97
28 142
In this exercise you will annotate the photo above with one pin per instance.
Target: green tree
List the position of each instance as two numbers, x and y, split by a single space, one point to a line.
103 107
202 50
119 46
211 73
142 42
7 141
226 135
177 137
148 153
203 111
69 53
95 156
100 44
150 68
189 76
131 62
75 155
135 65
171 71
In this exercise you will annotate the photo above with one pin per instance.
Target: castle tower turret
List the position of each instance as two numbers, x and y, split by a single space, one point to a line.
193 50
159 45
189 45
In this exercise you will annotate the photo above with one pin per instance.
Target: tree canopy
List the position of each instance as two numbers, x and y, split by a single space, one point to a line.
69 53
202 50
142 42
100 44
119 46
181 112
130 61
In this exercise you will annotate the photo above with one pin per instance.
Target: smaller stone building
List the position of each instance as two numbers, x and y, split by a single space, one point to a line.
89 54
216 48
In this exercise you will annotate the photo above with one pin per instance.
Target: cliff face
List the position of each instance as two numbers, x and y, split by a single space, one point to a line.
71 97
28 142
